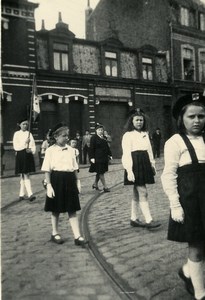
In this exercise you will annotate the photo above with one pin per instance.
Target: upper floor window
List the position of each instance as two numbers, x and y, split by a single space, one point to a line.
184 16
188 63
60 57
111 64
147 68
202 66
202 21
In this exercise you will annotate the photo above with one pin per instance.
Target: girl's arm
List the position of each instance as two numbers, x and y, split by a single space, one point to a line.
126 153
169 175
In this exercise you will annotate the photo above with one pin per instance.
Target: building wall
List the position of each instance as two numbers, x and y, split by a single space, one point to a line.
136 22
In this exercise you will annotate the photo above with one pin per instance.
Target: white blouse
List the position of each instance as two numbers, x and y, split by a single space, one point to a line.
133 141
60 159
176 155
19 141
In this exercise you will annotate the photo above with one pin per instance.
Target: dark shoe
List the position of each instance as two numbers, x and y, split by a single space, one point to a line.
152 224
55 240
95 187
187 281
21 198
106 190
137 223
79 242
32 198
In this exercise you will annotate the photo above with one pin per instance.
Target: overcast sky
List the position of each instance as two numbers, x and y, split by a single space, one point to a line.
73 13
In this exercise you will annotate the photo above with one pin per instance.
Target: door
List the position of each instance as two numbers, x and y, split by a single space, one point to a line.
113 117
75 117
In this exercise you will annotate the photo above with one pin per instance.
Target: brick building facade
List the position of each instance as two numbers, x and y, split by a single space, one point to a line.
84 81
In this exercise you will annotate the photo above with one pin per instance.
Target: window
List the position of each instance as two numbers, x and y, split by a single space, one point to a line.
202 66
188 64
202 22
111 64
147 68
184 16
192 18
60 57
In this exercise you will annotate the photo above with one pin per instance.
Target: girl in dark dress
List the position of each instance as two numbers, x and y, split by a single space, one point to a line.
99 156
183 181
60 168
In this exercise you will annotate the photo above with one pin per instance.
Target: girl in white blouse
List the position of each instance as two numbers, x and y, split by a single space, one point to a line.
60 168
183 181
25 148
139 164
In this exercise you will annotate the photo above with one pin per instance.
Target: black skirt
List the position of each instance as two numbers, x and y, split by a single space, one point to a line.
99 167
66 193
24 162
191 188
142 169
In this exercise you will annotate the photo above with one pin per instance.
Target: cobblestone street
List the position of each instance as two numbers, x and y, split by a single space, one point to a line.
35 268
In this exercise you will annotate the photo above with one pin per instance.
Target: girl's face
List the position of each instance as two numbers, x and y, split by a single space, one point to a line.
138 122
62 137
24 125
73 143
194 119
100 131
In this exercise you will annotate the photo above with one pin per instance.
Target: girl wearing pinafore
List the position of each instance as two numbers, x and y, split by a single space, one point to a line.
183 181
139 164
60 168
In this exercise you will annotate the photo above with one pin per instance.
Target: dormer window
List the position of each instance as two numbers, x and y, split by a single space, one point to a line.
202 21
60 57
147 68
111 64
184 16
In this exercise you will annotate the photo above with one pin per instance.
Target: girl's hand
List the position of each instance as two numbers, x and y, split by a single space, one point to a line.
92 160
28 150
130 176
177 214
50 192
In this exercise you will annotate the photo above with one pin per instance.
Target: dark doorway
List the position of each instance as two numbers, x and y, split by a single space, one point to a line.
75 116
113 117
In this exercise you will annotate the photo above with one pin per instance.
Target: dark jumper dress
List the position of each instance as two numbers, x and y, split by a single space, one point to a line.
191 188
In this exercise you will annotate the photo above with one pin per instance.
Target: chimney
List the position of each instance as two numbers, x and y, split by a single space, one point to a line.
88 12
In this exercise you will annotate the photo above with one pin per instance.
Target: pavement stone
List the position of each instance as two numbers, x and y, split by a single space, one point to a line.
33 268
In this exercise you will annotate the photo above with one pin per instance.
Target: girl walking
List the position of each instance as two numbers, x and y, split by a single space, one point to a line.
183 181
139 164
99 156
25 148
60 168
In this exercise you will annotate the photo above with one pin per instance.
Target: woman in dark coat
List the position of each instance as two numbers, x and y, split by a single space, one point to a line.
99 156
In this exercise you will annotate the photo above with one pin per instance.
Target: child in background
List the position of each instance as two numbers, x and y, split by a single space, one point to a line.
183 181
44 146
25 148
139 164
60 168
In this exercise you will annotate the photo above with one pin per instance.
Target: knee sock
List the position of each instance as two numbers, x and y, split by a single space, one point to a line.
54 222
197 278
27 183
133 210
22 188
144 205
185 269
75 226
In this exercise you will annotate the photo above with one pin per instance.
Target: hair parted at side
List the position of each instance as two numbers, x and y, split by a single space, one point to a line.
136 112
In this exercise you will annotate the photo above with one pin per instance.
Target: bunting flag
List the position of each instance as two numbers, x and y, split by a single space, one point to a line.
36 104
